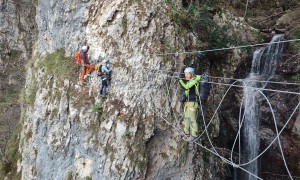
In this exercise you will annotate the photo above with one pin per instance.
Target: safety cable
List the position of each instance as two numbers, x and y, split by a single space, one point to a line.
253 80
225 84
215 152
238 136
274 119
221 157
230 162
227 78
176 74
259 89
229 48
277 137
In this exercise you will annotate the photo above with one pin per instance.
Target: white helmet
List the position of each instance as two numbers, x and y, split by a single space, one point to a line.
84 48
189 70
104 62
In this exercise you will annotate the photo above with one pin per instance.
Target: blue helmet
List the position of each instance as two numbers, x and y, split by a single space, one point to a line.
189 70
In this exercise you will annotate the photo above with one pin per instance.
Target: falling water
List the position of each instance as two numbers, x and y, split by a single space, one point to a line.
263 67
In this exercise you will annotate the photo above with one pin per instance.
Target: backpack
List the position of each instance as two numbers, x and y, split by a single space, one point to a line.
182 97
204 86
98 70
78 58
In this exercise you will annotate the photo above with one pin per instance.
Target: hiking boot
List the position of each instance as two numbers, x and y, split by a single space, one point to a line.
101 95
80 83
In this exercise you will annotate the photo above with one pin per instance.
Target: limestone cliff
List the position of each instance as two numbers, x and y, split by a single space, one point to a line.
17 35
67 132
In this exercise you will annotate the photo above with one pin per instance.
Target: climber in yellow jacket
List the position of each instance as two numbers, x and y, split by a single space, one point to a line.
191 88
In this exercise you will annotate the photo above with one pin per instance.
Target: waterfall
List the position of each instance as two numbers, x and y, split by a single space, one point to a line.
264 64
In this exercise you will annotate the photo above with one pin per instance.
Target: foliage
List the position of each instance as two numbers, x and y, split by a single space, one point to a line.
296 78
124 23
58 65
287 4
33 60
28 135
88 178
97 107
108 149
129 133
70 176
164 155
218 39
130 2
36 3
30 98
198 19
5 168
295 46
12 154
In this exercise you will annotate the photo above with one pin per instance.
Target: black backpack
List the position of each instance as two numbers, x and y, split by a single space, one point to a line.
204 87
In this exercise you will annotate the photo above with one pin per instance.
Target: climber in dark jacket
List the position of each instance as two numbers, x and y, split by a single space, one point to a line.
105 74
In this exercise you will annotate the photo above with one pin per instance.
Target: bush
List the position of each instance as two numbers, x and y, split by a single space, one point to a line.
198 19
12 154
295 46
58 65
97 107
296 78
217 38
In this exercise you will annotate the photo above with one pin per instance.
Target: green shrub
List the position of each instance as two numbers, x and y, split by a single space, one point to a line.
88 178
6 167
198 19
97 107
58 65
36 3
70 176
124 23
12 155
296 78
30 98
295 46
217 38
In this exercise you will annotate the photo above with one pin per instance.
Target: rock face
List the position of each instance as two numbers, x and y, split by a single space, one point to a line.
18 32
69 133
62 24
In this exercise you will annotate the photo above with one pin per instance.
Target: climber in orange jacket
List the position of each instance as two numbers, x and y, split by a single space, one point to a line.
85 64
